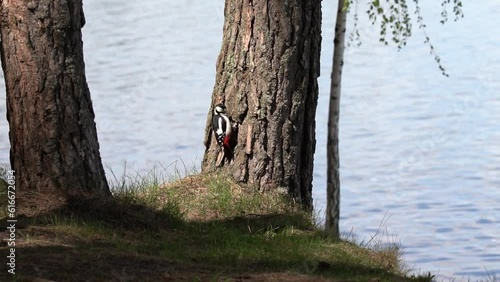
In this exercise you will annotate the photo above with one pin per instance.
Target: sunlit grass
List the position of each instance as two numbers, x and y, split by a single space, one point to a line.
207 221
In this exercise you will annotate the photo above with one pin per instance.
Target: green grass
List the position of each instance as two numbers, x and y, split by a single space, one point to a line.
3 192
197 228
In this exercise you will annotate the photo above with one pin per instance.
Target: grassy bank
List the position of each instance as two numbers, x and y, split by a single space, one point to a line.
199 228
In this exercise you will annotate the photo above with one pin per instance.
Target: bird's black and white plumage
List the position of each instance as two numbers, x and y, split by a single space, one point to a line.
221 126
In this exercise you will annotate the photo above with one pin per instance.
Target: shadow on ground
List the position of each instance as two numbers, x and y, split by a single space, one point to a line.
121 241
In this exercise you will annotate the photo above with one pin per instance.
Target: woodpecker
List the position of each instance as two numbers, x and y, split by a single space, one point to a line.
221 126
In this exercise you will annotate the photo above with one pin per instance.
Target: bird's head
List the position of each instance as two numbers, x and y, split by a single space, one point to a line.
219 109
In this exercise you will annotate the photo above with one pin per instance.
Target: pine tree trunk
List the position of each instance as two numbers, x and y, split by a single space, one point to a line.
267 77
54 147
333 178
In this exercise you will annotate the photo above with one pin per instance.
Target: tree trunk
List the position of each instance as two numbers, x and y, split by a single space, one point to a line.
333 179
54 147
267 74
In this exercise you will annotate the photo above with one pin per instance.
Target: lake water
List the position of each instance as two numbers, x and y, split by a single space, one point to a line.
420 153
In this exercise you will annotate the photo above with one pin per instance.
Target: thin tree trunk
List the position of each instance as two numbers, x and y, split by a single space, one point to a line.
54 147
333 186
267 77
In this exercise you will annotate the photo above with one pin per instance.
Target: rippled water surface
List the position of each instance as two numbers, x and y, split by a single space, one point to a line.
419 152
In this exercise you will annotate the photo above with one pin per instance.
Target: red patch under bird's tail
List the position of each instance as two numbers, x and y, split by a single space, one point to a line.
226 141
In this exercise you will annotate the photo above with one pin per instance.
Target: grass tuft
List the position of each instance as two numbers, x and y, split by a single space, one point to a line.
203 227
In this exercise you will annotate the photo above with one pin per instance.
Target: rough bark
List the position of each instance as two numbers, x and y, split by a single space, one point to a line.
267 74
54 147
333 178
